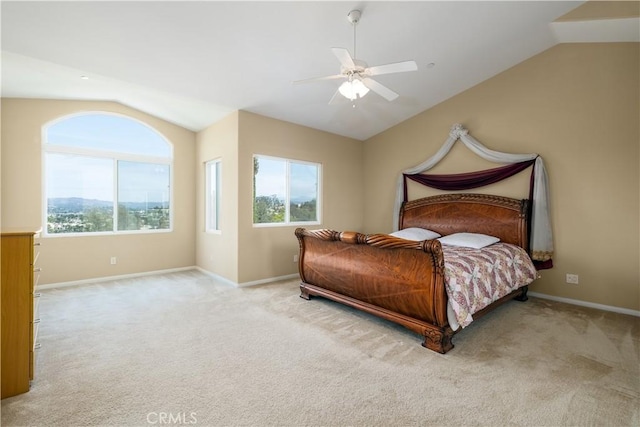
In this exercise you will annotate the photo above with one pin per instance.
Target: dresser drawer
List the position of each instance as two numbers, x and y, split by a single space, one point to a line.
36 267
35 324
36 318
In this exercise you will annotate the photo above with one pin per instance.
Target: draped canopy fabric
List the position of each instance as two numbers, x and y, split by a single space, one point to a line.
541 240
465 181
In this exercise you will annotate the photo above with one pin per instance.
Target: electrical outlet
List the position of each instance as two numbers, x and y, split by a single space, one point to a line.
295 258
572 278
114 260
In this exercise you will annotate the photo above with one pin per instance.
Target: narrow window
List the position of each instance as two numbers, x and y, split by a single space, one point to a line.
213 172
285 191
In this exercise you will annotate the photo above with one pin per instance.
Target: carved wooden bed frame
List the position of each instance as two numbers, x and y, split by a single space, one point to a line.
402 280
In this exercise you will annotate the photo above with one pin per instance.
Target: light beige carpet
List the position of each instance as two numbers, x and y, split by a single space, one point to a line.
183 349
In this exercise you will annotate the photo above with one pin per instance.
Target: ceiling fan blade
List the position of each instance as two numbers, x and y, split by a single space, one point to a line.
337 98
396 67
319 79
381 90
344 57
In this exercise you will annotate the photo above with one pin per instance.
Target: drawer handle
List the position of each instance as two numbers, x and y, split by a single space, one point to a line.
36 320
37 270
37 295
37 244
37 346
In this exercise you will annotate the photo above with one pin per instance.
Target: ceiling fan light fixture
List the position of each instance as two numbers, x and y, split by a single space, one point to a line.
358 74
353 89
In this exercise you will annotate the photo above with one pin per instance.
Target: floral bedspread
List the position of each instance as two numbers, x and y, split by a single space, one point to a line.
474 278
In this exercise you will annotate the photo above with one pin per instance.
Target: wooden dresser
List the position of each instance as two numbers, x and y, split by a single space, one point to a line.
19 253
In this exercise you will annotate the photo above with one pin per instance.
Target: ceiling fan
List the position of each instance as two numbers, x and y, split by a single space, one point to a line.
357 74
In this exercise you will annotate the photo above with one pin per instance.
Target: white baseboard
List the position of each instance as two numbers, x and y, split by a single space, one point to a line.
107 278
269 280
170 270
246 284
587 304
217 277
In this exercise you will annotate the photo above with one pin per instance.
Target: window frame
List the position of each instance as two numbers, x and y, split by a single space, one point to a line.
287 222
208 165
115 156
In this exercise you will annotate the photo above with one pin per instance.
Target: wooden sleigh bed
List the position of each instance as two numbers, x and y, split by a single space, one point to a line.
404 280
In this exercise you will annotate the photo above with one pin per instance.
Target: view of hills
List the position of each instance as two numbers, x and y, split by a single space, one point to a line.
78 204
78 215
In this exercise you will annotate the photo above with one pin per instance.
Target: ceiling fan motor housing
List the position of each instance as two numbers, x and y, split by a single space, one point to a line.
360 67
354 16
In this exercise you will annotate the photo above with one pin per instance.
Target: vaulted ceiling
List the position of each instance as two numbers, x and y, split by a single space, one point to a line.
192 63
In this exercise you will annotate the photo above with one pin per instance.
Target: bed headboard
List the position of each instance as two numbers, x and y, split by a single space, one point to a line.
503 217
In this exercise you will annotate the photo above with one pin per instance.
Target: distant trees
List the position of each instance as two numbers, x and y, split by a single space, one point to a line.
271 209
100 219
303 211
90 221
268 209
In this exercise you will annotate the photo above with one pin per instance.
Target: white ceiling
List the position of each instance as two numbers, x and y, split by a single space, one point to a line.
192 63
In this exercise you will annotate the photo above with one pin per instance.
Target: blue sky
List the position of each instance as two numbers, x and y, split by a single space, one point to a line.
109 132
271 179
90 176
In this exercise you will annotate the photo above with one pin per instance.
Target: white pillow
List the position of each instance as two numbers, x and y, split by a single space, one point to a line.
469 240
415 233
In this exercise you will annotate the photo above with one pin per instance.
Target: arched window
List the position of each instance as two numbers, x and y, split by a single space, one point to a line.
105 173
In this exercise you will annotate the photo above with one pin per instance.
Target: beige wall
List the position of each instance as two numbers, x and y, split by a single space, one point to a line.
577 105
268 251
596 10
76 258
217 252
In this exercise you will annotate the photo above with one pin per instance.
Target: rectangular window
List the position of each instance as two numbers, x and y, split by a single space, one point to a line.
285 191
213 172
81 196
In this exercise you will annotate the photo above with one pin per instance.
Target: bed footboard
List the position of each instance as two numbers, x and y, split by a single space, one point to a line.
393 278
